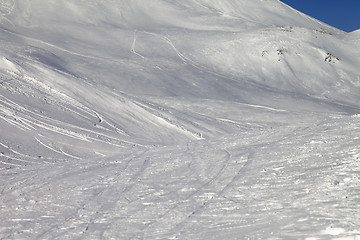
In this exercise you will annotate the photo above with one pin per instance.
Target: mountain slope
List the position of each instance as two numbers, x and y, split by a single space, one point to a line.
189 119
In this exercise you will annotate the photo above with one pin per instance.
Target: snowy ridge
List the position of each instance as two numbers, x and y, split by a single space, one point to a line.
191 119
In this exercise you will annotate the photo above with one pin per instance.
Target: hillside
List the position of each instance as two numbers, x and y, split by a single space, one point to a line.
191 119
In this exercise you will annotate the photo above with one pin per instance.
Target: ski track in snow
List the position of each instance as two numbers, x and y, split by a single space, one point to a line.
71 170
50 45
133 46
207 70
193 193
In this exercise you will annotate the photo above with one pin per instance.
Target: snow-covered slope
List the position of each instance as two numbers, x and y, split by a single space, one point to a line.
155 14
155 119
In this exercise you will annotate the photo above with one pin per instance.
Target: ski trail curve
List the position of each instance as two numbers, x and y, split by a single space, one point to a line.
133 46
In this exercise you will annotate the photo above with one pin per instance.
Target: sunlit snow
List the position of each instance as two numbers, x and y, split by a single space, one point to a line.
181 119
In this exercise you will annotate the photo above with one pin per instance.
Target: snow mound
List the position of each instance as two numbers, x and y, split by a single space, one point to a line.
6 65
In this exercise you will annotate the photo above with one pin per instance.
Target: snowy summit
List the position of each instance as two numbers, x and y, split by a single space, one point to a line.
177 119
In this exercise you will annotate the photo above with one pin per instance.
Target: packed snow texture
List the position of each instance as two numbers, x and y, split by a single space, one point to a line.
177 119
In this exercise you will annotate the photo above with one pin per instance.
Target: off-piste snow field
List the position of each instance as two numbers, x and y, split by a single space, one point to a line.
177 119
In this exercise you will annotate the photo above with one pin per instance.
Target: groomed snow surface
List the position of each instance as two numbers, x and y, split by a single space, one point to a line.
189 119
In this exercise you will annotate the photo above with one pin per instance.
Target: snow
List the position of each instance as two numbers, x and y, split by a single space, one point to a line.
184 119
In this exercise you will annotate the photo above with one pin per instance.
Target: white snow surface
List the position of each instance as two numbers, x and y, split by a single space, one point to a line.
177 119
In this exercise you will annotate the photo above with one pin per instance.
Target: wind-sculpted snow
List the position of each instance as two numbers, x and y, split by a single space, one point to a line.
284 182
205 14
186 119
